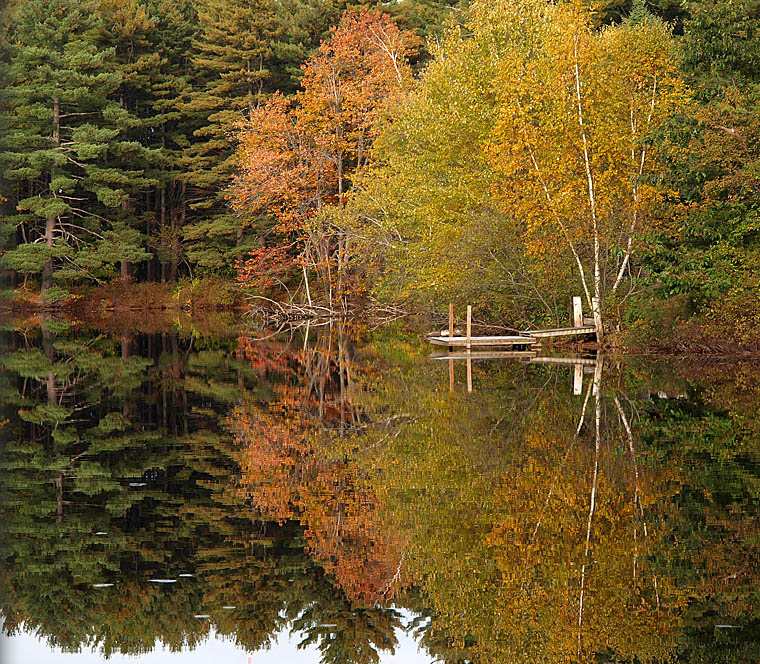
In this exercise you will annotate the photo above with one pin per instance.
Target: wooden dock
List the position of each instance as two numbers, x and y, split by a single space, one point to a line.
526 356
579 365
486 355
482 341
581 326
521 346
562 332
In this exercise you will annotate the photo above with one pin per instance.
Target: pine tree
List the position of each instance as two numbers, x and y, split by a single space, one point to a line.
126 27
175 27
306 23
235 54
63 135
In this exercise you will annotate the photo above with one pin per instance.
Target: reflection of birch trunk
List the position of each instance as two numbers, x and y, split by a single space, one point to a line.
592 501
559 470
637 495
394 579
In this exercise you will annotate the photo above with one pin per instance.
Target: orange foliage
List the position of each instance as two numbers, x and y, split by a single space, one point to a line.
289 476
297 157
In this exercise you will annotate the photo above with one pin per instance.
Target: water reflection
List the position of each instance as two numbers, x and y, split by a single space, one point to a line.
163 486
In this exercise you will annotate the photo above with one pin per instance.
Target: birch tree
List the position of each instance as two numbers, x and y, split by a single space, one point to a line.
573 141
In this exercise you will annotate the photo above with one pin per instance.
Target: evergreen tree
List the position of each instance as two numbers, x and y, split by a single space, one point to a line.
615 11
305 23
427 18
235 55
65 148
174 28
127 28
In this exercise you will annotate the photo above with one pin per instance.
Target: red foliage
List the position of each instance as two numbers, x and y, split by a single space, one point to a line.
289 478
295 158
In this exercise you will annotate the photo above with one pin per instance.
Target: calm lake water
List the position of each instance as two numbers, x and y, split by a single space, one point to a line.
186 492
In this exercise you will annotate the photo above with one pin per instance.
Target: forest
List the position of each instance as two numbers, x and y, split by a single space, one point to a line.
340 159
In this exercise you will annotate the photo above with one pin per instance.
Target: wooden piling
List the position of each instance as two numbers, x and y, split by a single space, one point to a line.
597 311
469 326
578 380
469 348
577 312
451 334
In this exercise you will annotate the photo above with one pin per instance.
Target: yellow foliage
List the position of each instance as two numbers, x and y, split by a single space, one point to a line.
573 136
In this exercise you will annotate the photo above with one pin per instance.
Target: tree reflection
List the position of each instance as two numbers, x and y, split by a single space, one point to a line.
321 485
541 527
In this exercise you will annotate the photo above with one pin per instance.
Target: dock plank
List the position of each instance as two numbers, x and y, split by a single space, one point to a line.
482 341
562 332
485 355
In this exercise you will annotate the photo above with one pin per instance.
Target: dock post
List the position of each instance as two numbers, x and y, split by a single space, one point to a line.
469 326
451 348
577 312
469 348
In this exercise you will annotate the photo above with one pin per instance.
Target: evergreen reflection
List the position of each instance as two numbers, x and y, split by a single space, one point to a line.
320 484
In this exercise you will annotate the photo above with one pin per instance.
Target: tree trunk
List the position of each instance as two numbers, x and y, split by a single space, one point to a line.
59 496
596 309
47 270
126 266
178 221
52 399
126 353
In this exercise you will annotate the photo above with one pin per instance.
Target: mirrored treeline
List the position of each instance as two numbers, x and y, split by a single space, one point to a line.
157 486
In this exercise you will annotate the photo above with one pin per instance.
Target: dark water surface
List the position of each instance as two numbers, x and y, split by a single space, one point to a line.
191 493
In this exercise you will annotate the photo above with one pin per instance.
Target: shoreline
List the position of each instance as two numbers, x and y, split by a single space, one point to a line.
134 304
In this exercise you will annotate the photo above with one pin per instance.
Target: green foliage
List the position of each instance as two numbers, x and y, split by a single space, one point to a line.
721 43
67 155
711 254
46 413
28 257
28 363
